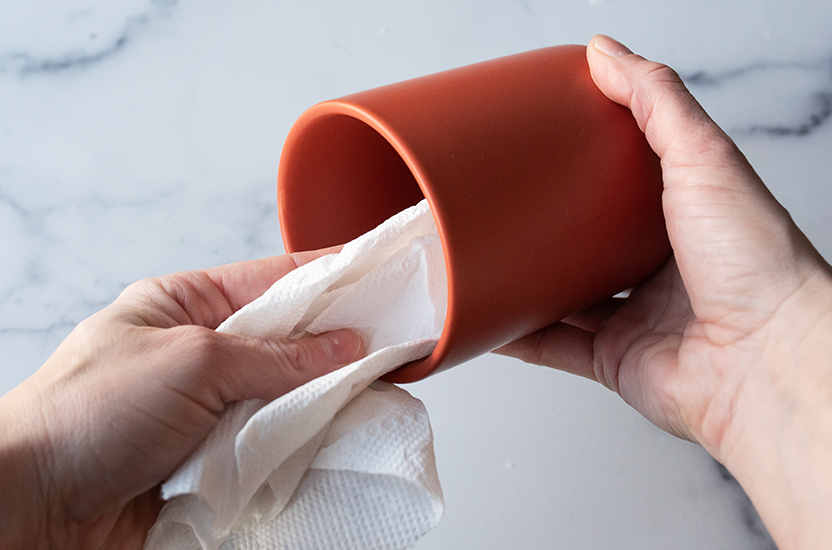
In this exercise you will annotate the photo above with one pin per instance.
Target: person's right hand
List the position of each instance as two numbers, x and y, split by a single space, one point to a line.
730 343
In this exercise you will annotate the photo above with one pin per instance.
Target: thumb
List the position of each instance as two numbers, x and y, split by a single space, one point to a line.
693 149
242 368
727 231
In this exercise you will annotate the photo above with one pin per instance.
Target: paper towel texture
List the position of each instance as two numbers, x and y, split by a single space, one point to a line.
344 461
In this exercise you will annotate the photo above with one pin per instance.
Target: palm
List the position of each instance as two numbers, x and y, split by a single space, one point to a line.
657 355
124 528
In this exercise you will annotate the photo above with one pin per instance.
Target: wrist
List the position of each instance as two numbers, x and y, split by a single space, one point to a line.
24 514
781 442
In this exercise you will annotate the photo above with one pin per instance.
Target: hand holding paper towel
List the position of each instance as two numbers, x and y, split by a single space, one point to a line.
343 461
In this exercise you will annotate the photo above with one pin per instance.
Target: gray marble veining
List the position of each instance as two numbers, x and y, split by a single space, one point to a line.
142 137
772 99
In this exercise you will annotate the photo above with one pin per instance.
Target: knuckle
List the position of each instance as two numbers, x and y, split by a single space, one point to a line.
202 344
294 355
143 287
660 72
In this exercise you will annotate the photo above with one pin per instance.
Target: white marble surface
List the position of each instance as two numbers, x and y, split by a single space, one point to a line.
141 137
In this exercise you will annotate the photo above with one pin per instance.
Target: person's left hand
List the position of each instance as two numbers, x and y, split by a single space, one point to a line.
131 393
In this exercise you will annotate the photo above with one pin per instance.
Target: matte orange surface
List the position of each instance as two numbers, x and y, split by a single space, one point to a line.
546 194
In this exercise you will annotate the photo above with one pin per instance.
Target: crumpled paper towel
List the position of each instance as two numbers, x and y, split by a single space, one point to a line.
344 461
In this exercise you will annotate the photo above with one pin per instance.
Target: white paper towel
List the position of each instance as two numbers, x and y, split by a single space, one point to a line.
344 461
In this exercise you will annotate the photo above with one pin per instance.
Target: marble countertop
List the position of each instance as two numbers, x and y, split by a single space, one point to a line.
142 137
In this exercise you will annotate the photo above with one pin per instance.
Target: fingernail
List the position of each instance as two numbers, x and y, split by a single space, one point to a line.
342 346
610 47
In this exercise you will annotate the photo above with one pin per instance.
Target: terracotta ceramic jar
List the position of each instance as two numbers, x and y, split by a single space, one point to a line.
546 194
